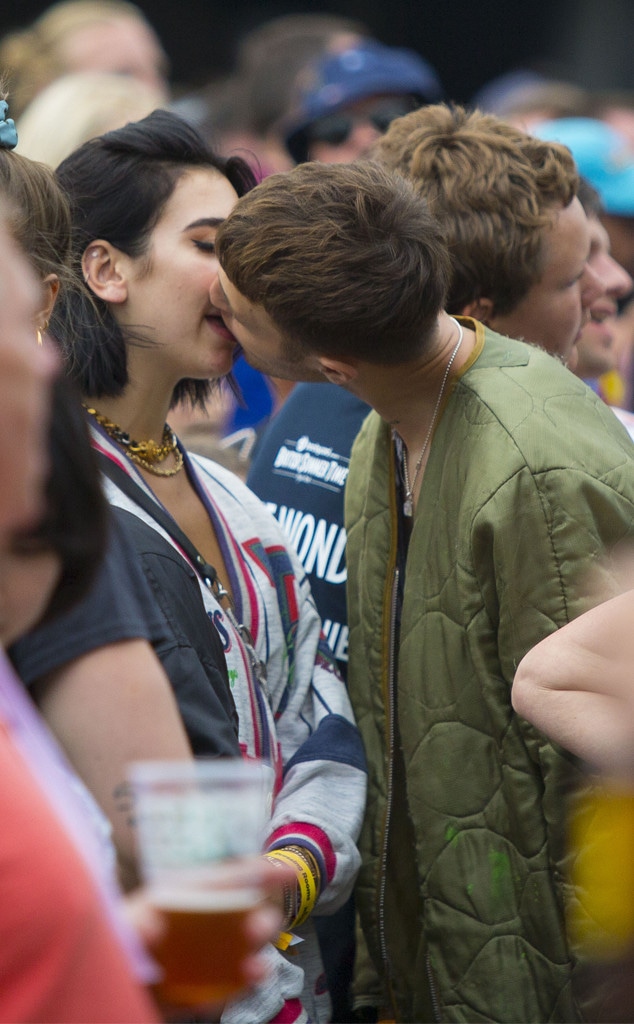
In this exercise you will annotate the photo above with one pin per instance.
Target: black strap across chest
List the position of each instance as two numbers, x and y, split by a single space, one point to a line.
125 483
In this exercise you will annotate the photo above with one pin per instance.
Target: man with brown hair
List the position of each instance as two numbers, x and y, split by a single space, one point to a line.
473 513
507 203
519 245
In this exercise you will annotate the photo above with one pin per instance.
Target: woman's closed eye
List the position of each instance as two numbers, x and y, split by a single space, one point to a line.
209 247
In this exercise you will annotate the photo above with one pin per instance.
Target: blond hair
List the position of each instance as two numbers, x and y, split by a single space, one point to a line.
33 56
79 107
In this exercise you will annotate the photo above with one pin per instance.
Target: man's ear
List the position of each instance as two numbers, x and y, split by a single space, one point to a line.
338 371
479 309
104 271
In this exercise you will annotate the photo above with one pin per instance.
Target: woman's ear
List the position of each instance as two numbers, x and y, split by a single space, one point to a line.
103 270
50 289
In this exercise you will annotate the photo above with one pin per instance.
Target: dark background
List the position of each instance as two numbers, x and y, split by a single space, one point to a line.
469 41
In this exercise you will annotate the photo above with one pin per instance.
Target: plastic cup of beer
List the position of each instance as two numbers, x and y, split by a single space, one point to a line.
200 825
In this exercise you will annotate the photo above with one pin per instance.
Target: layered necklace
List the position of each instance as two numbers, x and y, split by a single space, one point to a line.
408 500
147 454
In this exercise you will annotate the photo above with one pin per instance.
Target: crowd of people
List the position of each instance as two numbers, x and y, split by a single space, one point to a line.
382 541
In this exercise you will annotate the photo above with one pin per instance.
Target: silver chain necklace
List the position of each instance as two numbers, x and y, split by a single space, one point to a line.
408 501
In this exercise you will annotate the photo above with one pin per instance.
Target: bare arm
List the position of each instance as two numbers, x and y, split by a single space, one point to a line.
107 708
577 686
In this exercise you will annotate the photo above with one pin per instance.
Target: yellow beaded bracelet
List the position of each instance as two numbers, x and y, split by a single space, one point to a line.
306 882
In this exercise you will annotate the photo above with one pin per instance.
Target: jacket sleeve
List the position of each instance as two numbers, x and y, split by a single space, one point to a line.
321 802
541 548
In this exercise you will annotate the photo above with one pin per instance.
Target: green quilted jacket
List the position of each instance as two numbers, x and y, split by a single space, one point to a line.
463 887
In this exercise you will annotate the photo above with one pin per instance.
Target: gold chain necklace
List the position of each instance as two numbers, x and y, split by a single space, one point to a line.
408 501
146 454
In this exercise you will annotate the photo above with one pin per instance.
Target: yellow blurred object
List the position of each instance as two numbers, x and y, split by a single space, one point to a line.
602 836
612 388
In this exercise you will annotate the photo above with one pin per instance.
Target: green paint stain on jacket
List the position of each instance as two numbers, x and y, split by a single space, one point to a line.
451 832
501 881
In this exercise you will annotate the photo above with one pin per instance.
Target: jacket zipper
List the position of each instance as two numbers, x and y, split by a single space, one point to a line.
390 774
435 1002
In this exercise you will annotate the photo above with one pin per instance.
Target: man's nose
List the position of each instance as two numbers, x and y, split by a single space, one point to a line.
216 295
621 283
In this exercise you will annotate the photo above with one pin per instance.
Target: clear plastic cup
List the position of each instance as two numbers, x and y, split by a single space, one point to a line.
200 827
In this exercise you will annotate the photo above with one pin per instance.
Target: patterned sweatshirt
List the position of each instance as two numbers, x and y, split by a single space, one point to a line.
299 717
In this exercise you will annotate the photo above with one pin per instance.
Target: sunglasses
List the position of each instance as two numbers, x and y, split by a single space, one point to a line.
335 129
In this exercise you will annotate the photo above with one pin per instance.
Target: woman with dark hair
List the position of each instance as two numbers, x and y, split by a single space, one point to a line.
66 951
100 649
141 334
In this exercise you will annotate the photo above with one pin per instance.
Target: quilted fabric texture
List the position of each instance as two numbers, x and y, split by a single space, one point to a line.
530 480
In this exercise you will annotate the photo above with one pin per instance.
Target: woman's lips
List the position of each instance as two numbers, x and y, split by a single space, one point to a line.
220 327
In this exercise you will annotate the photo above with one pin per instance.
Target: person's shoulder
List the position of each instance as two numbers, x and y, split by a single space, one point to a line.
509 370
325 414
498 351
306 448
314 398
119 606
519 393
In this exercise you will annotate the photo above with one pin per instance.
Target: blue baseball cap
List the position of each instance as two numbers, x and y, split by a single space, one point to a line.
365 70
603 156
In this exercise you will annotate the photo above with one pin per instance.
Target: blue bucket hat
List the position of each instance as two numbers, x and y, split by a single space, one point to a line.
604 157
365 70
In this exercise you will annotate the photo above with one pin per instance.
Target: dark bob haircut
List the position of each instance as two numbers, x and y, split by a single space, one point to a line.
118 185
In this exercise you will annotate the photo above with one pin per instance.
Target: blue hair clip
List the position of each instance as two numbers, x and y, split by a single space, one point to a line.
8 133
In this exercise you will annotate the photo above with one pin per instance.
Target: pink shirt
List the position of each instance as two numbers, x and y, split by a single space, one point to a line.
66 953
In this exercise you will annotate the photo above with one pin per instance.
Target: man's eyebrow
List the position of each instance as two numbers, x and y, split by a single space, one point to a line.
205 222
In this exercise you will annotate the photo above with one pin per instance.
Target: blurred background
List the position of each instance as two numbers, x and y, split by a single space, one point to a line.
468 41
283 81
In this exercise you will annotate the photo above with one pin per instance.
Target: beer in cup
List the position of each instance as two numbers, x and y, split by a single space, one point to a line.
200 824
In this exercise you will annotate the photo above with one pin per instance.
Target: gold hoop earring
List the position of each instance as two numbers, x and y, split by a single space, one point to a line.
39 332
